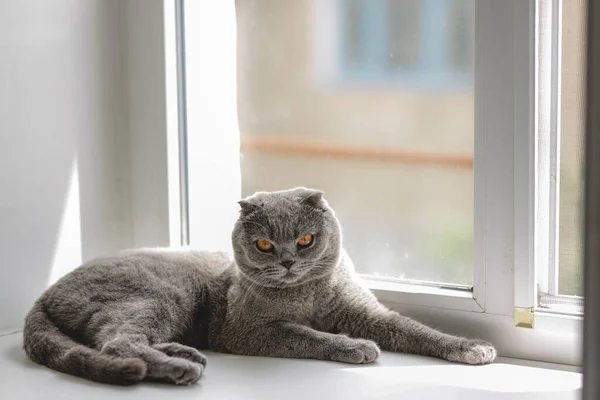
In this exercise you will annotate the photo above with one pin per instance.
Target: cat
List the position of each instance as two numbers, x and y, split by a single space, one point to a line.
289 291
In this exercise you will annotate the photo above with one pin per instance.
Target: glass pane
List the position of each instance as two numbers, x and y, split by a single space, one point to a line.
570 251
404 33
396 162
461 29
352 28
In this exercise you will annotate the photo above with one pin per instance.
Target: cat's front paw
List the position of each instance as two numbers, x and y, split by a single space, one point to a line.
474 352
355 351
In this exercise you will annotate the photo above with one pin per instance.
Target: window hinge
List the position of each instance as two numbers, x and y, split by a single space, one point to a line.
524 317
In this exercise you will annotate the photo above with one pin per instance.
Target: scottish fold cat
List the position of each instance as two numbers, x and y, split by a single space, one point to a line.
288 291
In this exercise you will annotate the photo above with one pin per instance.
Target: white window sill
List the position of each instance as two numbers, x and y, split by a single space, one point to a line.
421 295
394 376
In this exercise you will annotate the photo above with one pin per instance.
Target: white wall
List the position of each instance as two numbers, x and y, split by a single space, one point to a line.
67 158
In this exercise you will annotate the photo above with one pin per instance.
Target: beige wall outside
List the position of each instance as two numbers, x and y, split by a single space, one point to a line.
414 221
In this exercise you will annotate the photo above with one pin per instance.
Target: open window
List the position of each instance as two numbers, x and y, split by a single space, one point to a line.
449 145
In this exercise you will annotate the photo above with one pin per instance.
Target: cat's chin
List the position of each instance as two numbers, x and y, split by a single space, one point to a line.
290 278
287 280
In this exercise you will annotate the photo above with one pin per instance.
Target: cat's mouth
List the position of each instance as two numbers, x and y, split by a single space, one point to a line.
289 277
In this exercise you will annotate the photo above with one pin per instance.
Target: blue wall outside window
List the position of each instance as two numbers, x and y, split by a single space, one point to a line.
369 36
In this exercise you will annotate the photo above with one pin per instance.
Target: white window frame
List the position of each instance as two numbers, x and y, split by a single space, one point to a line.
504 206
503 231
548 129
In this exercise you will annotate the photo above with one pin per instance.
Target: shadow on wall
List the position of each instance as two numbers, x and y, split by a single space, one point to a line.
62 145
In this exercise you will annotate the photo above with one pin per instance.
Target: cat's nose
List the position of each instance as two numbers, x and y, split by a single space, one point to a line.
287 264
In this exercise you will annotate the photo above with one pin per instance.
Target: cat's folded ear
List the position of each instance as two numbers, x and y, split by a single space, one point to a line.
312 197
248 206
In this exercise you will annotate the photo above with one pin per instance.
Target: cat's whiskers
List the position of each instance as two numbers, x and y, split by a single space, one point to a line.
246 293
259 284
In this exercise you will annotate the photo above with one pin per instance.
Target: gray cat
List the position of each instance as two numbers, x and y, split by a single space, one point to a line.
288 292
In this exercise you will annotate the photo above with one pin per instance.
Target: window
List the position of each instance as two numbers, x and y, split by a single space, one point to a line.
400 182
561 95
414 43
447 198
571 188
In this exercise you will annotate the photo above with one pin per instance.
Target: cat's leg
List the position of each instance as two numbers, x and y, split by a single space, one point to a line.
289 340
160 366
360 315
145 330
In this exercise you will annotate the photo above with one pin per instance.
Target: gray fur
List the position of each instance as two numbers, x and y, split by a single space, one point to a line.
144 314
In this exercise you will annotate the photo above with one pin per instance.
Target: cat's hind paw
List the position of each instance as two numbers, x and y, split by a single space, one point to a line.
181 351
178 371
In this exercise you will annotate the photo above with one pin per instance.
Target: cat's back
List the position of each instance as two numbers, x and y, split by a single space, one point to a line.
179 262
174 266
181 277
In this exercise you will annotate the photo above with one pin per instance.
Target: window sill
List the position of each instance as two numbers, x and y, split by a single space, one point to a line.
393 376
420 295
560 323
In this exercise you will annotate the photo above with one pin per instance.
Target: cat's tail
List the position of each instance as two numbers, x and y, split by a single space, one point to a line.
45 344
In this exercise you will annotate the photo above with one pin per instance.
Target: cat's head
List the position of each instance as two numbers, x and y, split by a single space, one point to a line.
286 238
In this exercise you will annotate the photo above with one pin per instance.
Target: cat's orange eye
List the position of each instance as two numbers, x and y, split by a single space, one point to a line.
305 240
264 245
